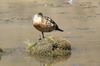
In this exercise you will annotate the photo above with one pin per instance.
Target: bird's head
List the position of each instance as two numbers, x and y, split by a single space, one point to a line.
40 14
38 17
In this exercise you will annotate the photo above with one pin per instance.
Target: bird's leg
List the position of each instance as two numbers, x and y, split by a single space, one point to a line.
43 35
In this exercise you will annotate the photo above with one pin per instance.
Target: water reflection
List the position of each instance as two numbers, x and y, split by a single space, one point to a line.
44 60
50 60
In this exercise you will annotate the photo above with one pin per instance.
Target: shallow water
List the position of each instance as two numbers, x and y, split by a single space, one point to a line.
80 22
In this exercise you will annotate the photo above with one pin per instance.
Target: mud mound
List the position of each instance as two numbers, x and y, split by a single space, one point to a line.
51 46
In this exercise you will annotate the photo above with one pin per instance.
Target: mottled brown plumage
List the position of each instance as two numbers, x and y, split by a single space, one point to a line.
44 23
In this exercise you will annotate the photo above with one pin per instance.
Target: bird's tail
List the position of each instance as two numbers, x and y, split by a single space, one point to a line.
60 30
57 28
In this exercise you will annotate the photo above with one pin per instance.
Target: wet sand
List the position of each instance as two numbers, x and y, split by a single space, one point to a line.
80 22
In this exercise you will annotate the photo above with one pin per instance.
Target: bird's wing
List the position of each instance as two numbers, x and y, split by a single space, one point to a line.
52 23
49 21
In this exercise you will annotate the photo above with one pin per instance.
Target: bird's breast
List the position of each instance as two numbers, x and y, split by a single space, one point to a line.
42 27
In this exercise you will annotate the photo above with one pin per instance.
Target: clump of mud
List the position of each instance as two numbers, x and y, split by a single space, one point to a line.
51 46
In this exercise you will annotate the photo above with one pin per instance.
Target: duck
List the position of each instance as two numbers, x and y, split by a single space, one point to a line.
44 24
